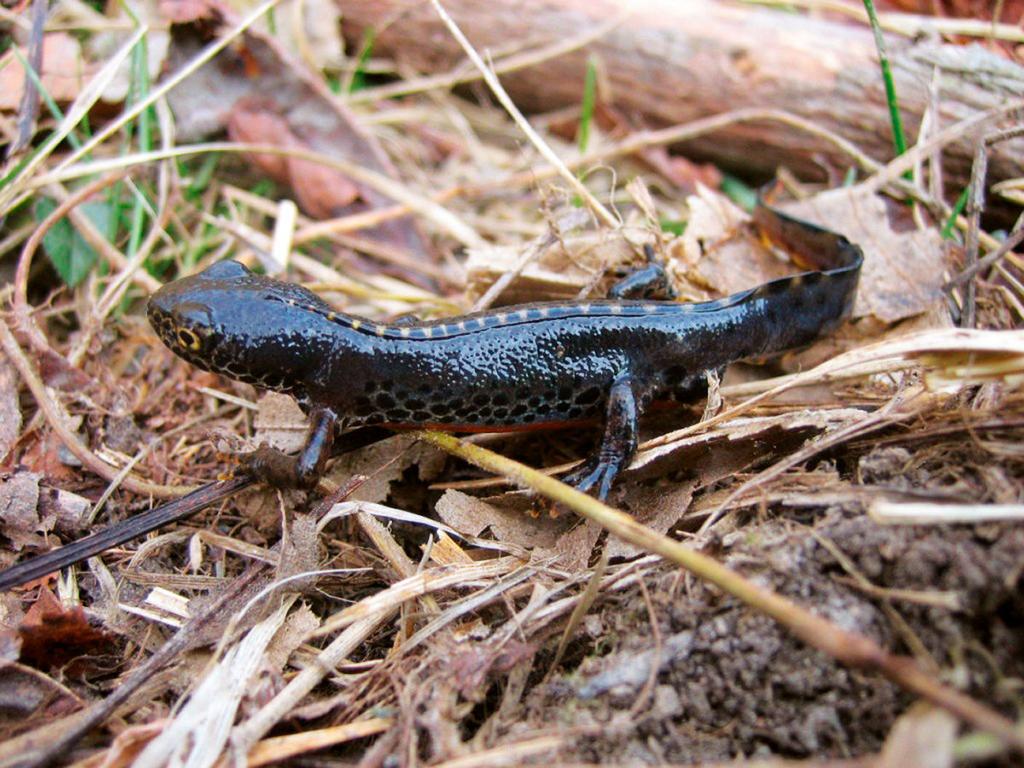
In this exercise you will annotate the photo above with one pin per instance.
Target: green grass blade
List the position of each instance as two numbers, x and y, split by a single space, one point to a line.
899 138
958 208
358 80
587 106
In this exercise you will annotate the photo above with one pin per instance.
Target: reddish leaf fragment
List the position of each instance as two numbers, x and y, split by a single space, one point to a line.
320 191
685 174
63 71
259 68
52 634
185 11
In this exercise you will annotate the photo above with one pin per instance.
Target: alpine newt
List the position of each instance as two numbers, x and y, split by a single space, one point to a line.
514 368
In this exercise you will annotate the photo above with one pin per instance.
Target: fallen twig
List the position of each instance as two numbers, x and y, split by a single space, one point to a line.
119 533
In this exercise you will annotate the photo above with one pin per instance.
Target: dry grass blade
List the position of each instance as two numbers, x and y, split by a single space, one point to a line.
200 729
279 748
908 513
416 585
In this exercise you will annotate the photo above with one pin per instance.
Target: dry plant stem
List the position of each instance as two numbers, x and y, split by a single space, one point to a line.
387 546
70 439
852 649
17 190
28 109
975 202
22 313
421 583
541 146
590 593
1012 241
893 170
909 24
83 722
509 754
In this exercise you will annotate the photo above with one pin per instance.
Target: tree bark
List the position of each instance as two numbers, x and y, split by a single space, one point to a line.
673 61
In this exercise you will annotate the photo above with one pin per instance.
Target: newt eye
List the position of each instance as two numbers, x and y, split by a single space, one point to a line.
188 339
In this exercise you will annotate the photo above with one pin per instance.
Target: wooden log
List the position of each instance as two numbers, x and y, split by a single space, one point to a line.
673 61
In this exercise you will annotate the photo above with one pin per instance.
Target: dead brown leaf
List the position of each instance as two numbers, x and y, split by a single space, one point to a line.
321 192
280 423
513 519
903 270
263 70
717 254
53 634
383 464
506 516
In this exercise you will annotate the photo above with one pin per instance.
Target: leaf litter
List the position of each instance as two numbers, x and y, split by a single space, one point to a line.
378 635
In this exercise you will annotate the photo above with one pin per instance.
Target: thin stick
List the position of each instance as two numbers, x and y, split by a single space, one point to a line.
119 533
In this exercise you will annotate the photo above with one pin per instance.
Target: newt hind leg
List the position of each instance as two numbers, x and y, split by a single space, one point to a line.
618 443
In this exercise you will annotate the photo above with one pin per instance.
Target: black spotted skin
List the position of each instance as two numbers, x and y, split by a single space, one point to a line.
513 368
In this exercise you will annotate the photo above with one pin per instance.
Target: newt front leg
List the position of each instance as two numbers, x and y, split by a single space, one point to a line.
302 470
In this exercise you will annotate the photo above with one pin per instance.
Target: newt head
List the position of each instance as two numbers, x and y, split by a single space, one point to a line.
226 319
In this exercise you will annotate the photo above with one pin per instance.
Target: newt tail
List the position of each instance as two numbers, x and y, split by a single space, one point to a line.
518 367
